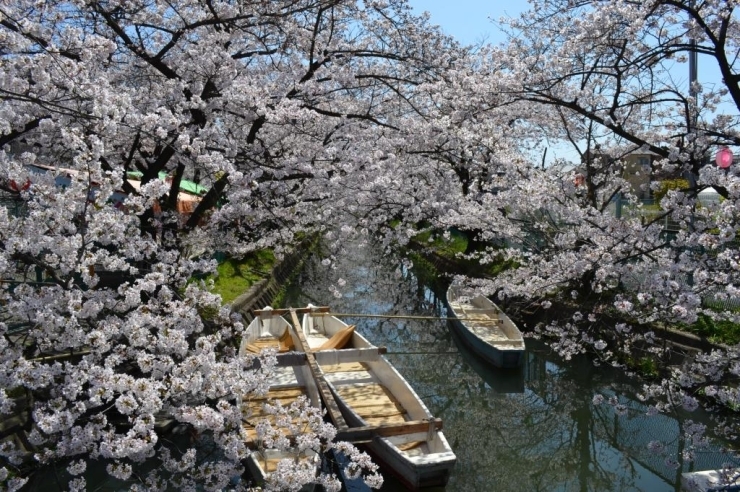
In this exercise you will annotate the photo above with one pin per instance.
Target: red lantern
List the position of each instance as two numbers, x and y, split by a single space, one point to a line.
724 158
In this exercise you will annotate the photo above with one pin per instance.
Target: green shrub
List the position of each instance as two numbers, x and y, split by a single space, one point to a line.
455 242
670 184
500 265
648 367
235 276
716 331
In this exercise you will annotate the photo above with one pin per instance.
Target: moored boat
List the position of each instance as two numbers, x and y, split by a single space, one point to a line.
503 381
727 479
486 329
287 384
373 393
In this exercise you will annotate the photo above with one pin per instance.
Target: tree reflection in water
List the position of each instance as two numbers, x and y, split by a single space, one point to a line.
531 429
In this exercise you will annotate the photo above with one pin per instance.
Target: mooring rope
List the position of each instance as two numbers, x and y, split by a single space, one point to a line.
422 353
400 316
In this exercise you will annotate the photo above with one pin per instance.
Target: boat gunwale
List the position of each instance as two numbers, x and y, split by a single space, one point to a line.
311 392
416 464
487 349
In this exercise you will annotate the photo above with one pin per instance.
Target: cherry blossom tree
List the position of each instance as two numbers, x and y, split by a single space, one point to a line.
290 113
602 271
600 75
340 117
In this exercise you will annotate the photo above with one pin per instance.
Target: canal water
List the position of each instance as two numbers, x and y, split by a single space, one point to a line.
533 429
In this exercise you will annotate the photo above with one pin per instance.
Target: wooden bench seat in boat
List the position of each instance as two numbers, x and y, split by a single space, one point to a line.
270 464
319 341
282 344
339 340
284 395
344 367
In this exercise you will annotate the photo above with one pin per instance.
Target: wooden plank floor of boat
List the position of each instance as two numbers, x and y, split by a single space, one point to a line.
367 397
482 325
254 410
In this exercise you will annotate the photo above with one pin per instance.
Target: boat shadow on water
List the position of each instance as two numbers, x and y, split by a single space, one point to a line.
500 380
485 328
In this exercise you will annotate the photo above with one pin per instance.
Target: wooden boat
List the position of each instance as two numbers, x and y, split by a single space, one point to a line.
373 393
287 384
503 381
727 479
486 329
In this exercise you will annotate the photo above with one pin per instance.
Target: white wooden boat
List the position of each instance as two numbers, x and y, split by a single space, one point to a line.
711 480
486 329
287 384
373 393
500 380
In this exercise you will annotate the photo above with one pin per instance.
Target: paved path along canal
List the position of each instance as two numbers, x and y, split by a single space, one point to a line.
531 429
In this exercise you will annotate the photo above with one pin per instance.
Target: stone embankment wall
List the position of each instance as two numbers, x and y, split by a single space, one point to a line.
264 292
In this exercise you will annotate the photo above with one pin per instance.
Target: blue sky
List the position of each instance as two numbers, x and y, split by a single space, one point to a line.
470 20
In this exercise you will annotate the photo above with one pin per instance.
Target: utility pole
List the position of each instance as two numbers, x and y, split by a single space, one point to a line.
693 117
693 73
